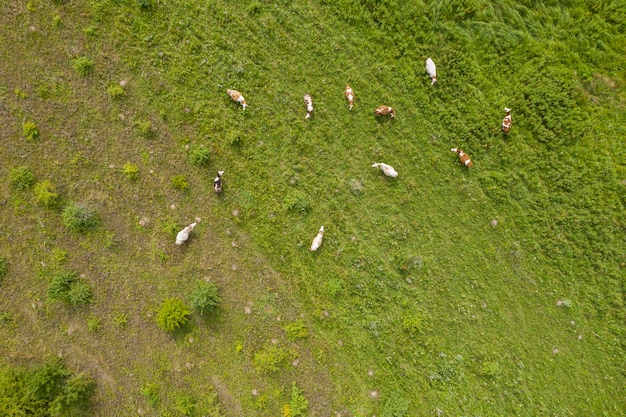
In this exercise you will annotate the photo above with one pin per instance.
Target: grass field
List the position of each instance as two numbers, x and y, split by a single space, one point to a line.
491 291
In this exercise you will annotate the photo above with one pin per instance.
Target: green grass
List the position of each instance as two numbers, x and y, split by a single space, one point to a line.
415 302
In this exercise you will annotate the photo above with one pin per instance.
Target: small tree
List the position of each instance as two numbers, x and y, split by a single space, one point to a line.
46 194
173 315
21 178
205 298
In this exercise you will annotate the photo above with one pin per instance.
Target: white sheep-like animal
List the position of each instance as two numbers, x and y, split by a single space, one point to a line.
317 242
388 170
183 235
431 69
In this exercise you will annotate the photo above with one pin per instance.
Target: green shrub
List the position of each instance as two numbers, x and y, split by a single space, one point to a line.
30 131
79 218
489 369
48 389
80 293
414 323
146 129
5 318
68 287
93 324
298 405
116 91
4 267
185 404
334 287
200 155
45 194
144 4
83 65
151 392
131 171
57 21
21 178
396 406
296 330
173 315
180 182
205 298
75 395
297 201
270 359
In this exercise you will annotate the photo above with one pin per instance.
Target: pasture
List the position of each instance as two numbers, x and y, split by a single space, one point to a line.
447 291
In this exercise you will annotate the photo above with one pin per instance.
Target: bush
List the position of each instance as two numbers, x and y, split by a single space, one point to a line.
296 330
173 315
45 194
68 287
79 218
21 178
48 389
200 156
151 392
116 91
180 182
30 131
146 129
298 405
4 267
130 171
269 359
83 65
297 201
205 298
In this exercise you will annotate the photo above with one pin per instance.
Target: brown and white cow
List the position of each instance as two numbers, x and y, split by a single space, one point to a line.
349 96
507 122
463 157
218 183
238 97
384 110
308 101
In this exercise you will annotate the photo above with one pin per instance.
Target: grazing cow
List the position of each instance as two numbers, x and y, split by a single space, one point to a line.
431 69
317 241
507 122
183 235
217 182
349 96
384 110
308 101
388 170
236 96
463 157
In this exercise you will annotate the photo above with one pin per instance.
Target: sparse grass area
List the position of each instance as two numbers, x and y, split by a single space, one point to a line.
496 290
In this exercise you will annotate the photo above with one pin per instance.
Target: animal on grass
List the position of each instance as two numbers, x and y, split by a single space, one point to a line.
317 241
308 101
388 170
183 235
431 69
217 182
463 157
507 122
385 110
349 93
238 97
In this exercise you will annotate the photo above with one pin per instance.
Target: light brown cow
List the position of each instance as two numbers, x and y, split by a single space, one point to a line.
507 122
384 110
238 97
349 96
463 157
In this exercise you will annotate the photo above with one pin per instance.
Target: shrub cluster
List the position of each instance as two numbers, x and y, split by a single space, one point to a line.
68 287
205 298
48 389
21 178
173 315
79 218
83 65
4 267
46 194
200 155
30 131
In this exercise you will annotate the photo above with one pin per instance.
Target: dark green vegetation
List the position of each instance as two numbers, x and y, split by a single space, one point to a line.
47 389
492 291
